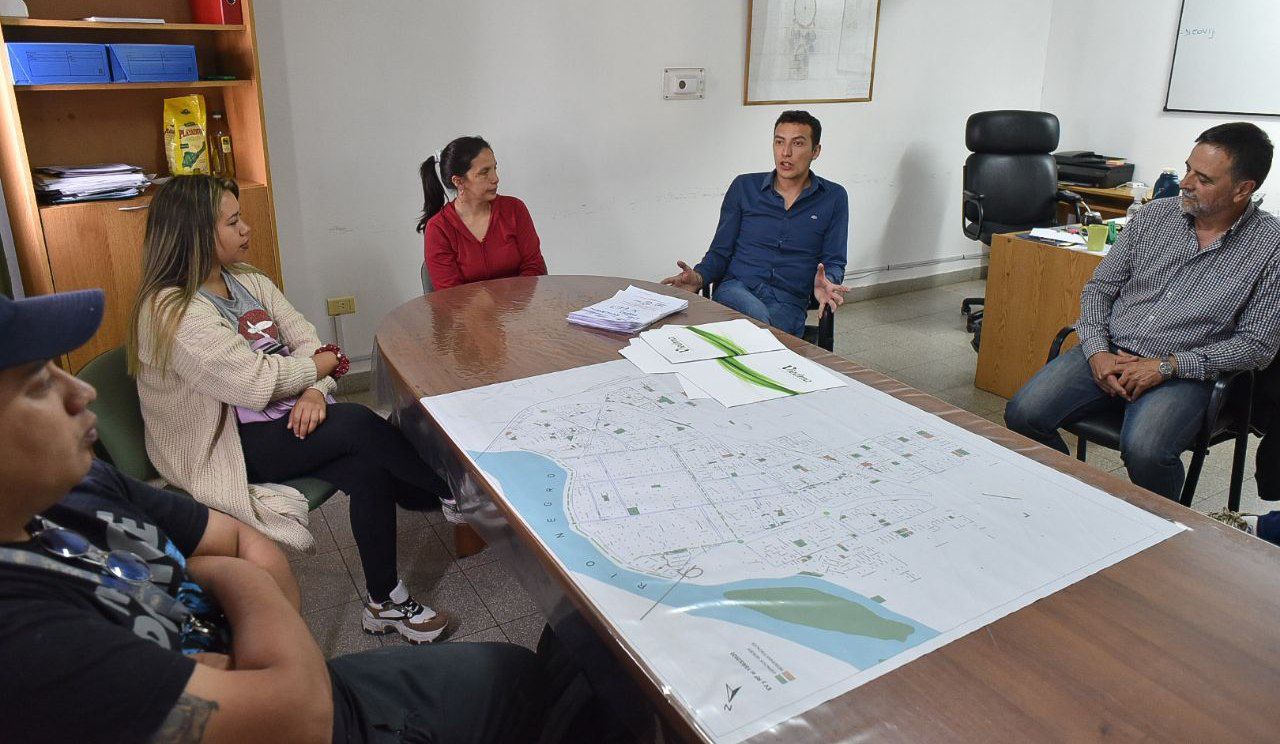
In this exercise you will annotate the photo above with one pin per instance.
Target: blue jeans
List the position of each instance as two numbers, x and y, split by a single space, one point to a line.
772 308
1157 427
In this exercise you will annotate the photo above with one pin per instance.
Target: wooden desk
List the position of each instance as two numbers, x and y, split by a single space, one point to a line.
1178 643
1033 290
1110 203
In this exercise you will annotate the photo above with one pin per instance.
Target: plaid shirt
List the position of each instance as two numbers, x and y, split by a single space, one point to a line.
1158 293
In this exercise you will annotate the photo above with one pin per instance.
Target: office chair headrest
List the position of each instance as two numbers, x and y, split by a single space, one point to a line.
1011 132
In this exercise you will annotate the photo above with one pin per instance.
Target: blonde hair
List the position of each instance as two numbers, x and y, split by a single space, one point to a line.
179 252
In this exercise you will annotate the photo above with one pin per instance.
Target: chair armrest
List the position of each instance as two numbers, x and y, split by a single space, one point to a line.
973 230
1076 201
1234 385
1055 348
706 290
826 323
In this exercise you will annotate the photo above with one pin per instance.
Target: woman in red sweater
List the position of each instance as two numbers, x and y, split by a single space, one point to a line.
478 234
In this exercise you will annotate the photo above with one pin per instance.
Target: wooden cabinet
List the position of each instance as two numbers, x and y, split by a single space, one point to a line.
99 244
1033 291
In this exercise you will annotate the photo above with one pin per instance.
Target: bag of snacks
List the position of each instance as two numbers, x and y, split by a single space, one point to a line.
185 143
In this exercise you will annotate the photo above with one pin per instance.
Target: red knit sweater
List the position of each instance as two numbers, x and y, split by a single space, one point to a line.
510 247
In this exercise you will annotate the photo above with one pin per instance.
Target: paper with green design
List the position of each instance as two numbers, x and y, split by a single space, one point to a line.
736 381
677 343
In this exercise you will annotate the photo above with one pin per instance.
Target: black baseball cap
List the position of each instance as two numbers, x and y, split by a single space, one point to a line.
44 327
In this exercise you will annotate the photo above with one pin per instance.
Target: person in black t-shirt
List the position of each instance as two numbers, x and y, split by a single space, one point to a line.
128 613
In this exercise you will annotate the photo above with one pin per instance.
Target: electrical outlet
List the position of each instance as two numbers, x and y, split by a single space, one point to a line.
341 305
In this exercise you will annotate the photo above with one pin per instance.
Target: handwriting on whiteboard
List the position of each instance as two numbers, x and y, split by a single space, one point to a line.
1207 32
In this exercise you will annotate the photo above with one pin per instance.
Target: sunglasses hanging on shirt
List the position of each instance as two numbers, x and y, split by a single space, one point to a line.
122 564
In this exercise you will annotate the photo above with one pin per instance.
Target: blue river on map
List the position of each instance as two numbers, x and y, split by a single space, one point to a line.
534 484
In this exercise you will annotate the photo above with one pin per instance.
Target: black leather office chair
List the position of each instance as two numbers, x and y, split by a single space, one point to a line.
1010 181
427 286
1228 416
823 334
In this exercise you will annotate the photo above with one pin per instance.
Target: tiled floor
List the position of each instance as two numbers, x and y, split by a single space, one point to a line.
918 338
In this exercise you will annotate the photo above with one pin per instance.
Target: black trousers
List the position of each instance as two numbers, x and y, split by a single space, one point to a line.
468 693
1268 462
366 458
1266 413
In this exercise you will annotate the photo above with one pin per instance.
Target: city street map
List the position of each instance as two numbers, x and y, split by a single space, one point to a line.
764 559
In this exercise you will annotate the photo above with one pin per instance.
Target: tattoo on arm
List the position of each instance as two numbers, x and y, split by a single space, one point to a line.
186 722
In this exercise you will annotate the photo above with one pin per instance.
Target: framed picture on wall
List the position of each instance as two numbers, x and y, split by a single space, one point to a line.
810 51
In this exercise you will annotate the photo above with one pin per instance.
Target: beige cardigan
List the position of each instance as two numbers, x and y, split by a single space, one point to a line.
191 432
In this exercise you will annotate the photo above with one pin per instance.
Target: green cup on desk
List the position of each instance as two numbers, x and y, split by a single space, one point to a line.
1097 241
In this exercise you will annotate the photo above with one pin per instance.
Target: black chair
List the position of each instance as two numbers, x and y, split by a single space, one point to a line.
823 334
1010 181
1227 417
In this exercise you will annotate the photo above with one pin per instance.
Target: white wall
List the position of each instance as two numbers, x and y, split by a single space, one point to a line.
1108 87
619 182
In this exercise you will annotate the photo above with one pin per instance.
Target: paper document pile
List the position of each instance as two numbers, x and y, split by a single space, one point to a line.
1057 236
65 184
628 311
734 362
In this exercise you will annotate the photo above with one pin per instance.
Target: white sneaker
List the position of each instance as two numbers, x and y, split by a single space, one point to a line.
404 615
452 515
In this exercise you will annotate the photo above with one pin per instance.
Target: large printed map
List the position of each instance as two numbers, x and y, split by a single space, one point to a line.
764 559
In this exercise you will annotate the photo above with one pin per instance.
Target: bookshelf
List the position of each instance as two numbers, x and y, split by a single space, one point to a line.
99 244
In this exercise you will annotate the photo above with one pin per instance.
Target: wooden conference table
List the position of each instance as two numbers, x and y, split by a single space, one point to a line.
1178 643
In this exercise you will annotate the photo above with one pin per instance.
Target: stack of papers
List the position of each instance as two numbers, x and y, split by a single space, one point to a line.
1057 236
630 310
734 362
65 184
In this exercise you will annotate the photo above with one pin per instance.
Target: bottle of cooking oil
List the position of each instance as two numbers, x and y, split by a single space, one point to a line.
222 158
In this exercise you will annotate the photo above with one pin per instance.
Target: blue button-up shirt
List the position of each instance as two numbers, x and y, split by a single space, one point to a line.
759 241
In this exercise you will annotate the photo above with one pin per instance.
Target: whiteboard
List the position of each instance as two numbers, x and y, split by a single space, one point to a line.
1227 58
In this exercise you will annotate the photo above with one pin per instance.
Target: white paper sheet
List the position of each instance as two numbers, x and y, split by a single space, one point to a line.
691 391
1059 236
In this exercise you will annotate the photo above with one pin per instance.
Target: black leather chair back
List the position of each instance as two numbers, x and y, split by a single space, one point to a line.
1013 169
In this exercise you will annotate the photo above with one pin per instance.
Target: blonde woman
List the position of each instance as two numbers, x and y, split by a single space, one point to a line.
235 385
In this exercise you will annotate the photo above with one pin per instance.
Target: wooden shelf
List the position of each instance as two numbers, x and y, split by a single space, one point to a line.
50 23
99 244
141 199
134 86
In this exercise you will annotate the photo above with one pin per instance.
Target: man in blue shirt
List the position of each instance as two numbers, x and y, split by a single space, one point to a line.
782 235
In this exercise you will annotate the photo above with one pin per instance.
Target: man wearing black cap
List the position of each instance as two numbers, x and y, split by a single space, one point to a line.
129 614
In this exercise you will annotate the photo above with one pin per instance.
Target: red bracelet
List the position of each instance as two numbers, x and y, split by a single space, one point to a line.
344 364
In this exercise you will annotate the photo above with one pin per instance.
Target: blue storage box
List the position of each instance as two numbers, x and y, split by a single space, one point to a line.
152 63
43 63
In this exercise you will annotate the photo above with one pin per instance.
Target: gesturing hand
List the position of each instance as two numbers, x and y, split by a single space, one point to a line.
308 413
829 293
688 279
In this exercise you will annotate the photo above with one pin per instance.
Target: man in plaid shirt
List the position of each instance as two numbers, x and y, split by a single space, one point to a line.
1190 290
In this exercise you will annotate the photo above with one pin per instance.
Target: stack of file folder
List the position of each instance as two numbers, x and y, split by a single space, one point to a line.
58 184
734 362
630 310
